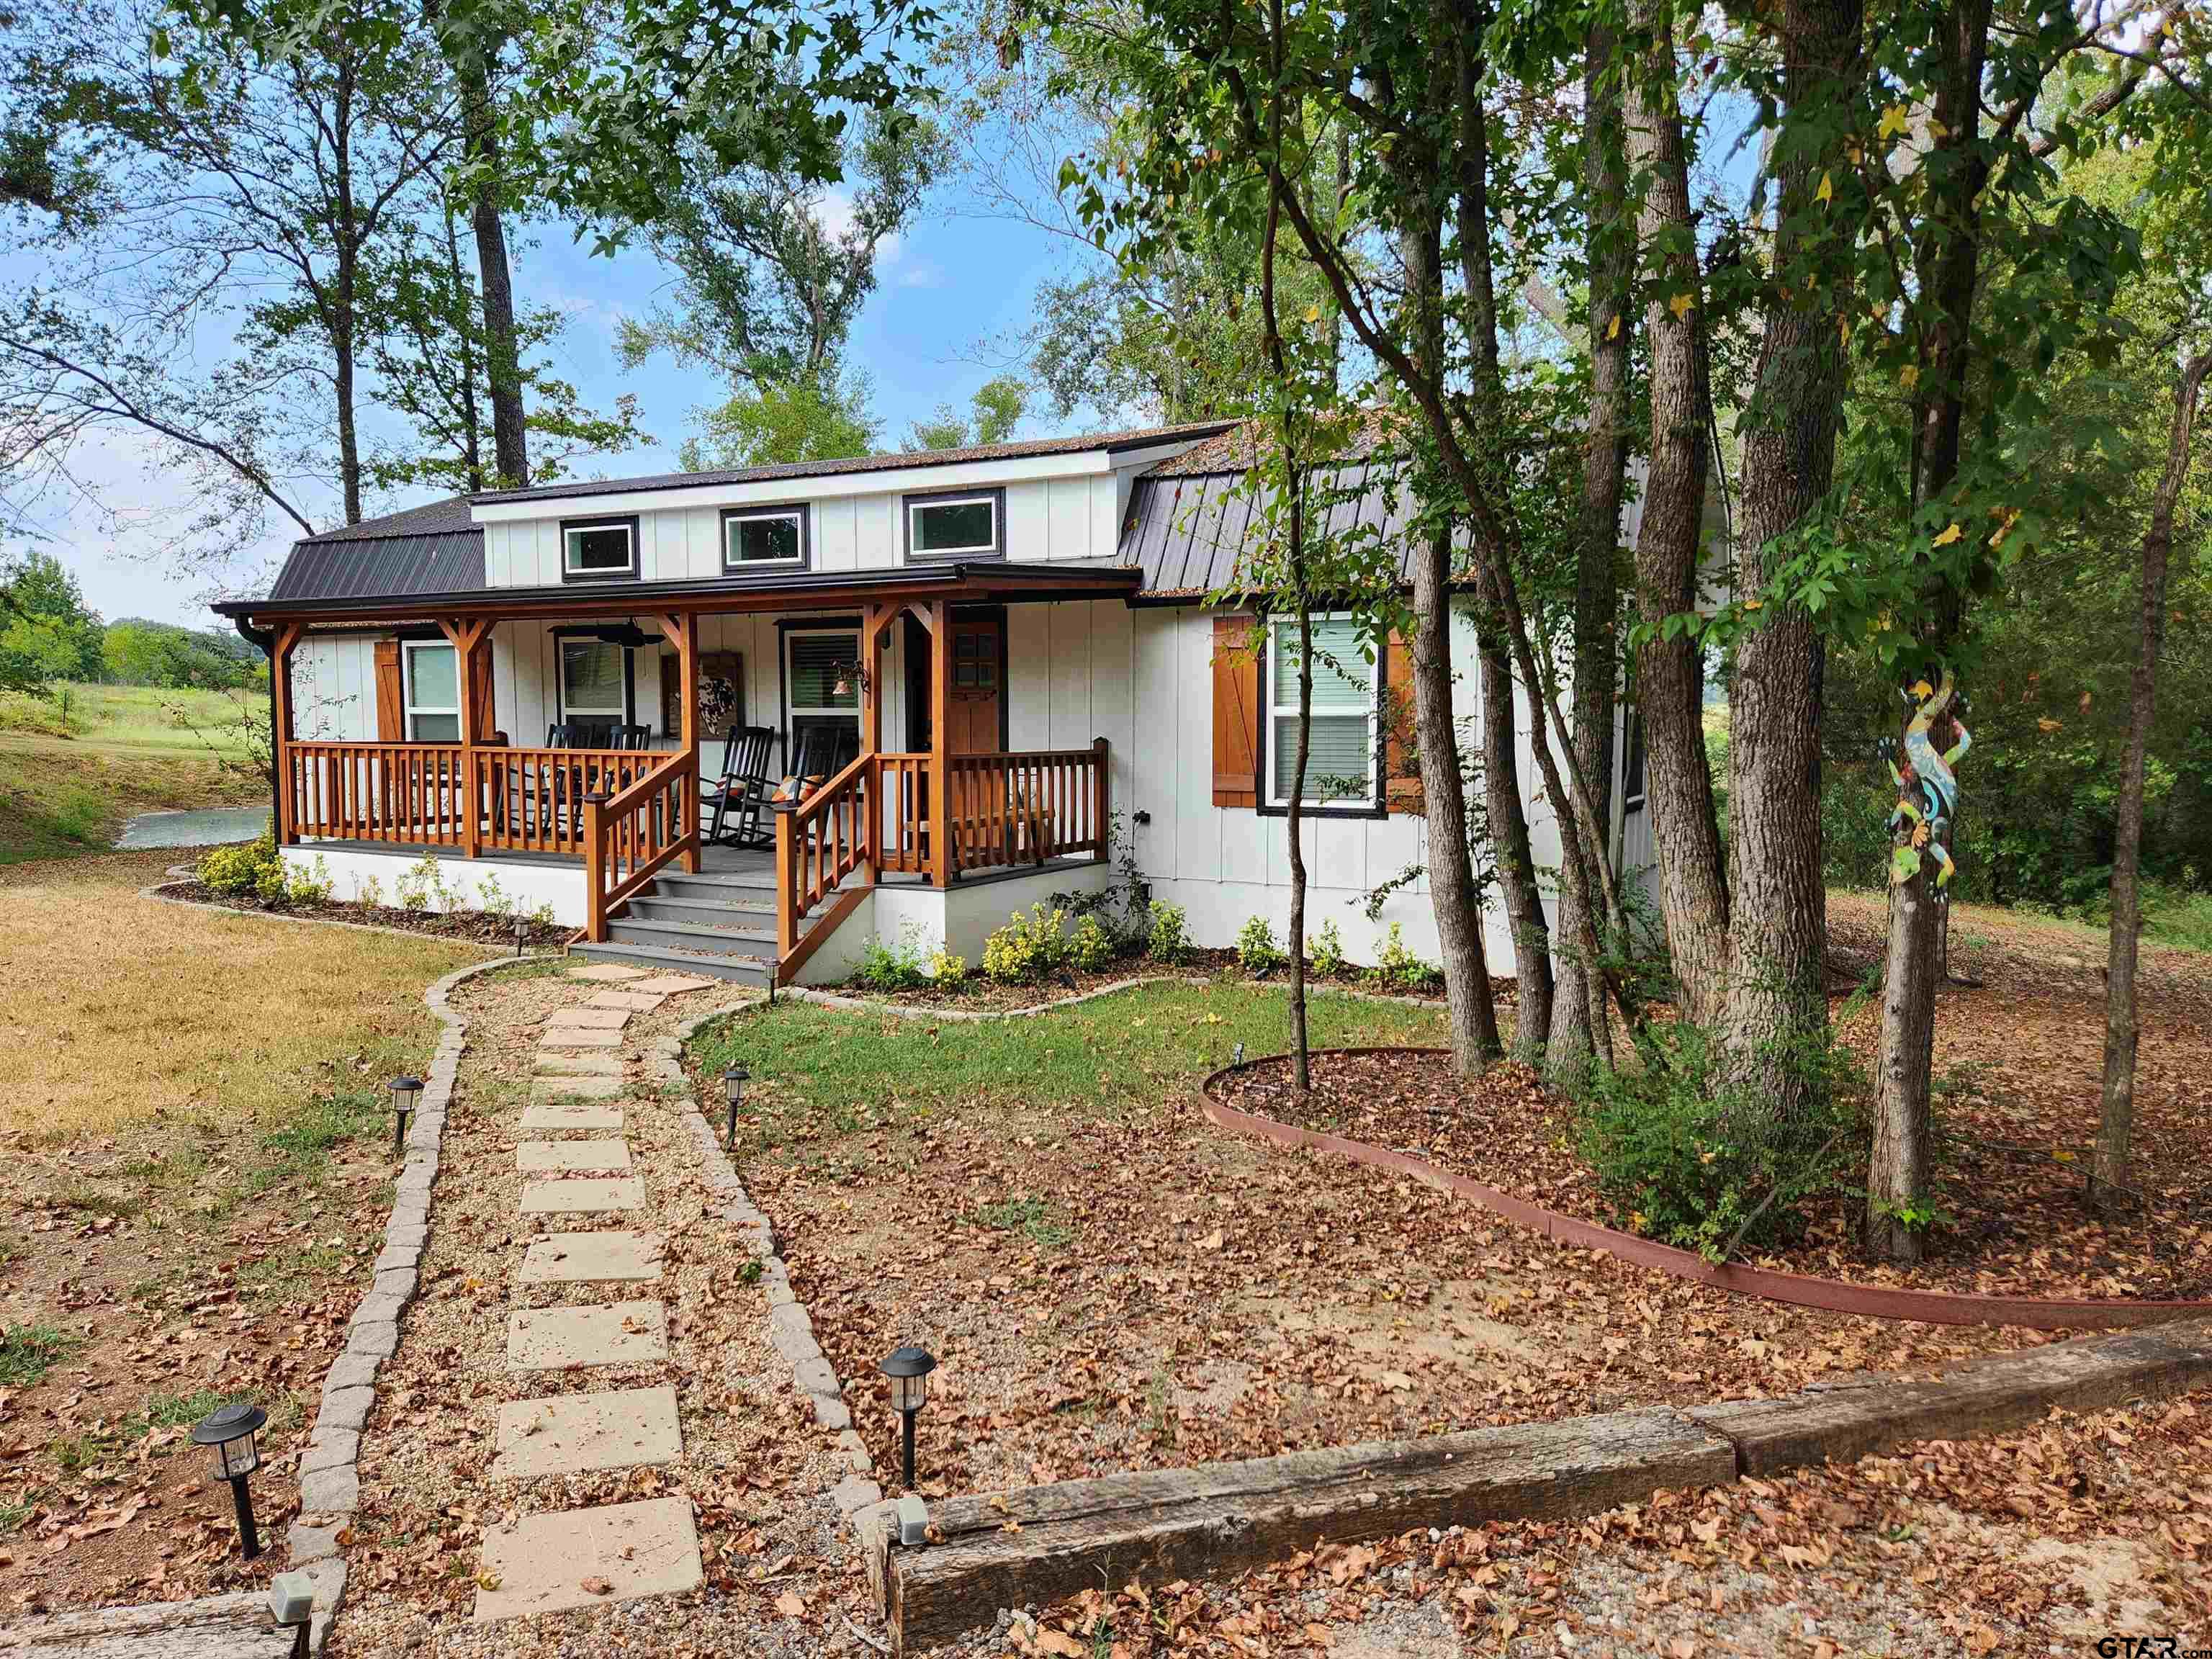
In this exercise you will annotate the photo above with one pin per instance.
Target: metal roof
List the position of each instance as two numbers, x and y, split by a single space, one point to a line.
892 461
358 567
1187 532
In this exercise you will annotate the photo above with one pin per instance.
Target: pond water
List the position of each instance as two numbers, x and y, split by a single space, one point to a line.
210 827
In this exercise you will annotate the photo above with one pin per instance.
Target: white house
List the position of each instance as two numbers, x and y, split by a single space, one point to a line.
990 662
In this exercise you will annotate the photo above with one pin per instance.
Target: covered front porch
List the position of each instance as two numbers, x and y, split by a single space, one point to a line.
895 695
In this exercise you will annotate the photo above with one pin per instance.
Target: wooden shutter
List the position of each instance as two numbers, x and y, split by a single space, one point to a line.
390 697
1401 763
1236 712
480 699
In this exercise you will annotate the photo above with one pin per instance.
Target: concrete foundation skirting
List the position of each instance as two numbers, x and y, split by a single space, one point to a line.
161 894
790 1327
934 1011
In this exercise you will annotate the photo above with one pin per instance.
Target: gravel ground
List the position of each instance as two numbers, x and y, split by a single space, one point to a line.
753 1465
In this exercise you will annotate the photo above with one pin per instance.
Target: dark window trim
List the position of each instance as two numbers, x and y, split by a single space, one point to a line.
565 636
911 499
1381 809
600 521
781 568
806 625
1635 765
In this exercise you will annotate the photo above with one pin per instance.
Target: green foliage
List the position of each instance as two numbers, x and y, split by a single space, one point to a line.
1092 948
892 968
1256 950
1027 947
1166 941
813 418
1398 968
135 652
995 410
422 887
46 634
238 871
1326 950
1685 1158
1035 1218
28 1351
947 967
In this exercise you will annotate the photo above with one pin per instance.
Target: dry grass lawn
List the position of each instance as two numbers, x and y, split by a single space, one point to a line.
115 1009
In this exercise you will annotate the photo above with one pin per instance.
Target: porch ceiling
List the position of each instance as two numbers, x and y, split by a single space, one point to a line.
1083 579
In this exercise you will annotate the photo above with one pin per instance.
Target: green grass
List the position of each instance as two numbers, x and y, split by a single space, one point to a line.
2175 917
133 716
1033 1218
29 1351
821 1071
14 1514
90 1448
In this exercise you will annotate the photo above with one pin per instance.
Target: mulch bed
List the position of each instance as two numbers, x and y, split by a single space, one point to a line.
984 994
472 925
2024 1050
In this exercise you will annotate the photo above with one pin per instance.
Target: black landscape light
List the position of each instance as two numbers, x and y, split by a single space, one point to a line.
1236 1057
908 1368
230 1429
405 1091
733 1080
521 930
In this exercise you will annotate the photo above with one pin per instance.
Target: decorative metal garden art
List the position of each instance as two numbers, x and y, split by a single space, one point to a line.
1928 789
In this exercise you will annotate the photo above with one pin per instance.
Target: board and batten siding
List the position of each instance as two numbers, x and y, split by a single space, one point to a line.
1047 520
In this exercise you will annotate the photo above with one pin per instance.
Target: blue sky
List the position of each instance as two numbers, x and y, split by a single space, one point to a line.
950 285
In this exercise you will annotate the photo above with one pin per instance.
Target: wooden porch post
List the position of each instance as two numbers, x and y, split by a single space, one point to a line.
467 638
942 865
875 619
683 632
285 638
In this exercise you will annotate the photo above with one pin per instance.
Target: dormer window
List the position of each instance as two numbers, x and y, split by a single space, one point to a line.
599 550
764 538
967 524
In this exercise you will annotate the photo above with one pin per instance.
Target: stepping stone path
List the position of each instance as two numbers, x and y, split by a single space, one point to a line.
547 1562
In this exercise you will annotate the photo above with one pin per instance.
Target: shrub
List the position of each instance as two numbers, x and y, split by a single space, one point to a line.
270 885
887 968
946 969
1256 950
1398 968
1327 953
422 887
1027 947
492 898
1092 949
1684 1159
369 890
310 886
238 870
1166 942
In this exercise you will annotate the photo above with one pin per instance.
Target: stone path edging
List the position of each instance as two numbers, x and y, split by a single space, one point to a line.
159 892
1797 1290
329 1479
942 1011
790 1327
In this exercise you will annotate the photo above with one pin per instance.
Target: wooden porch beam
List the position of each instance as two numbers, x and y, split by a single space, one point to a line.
942 868
467 637
681 629
284 639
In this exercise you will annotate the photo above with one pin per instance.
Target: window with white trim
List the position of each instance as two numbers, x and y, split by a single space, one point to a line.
594 686
1345 736
433 693
947 527
821 690
764 537
608 548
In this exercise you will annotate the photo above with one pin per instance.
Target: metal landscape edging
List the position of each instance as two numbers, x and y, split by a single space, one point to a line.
1797 1290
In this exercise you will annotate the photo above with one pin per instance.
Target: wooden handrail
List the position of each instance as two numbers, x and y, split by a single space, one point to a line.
634 832
821 840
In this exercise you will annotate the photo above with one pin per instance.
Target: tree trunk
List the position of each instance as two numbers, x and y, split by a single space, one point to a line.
1902 1158
502 354
1670 681
1509 847
471 418
1612 250
344 312
1777 917
2116 1121
1470 1003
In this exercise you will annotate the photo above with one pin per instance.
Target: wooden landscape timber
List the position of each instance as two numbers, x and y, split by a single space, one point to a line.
1038 1545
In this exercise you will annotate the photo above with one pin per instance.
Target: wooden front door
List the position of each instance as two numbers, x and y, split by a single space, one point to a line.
977 648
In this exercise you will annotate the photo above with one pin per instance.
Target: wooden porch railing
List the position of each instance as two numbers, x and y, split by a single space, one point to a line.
1028 808
822 840
634 832
527 801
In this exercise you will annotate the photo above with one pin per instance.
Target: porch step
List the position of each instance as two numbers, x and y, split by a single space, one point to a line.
753 911
732 931
742 969
720 887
